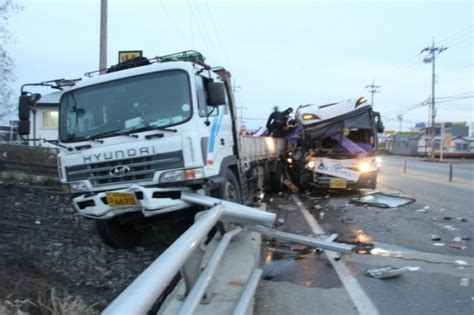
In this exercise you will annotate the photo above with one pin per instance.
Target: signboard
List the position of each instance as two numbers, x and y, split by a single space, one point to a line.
334 168
447 140
125 55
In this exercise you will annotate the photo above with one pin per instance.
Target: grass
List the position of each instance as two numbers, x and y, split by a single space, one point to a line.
53 304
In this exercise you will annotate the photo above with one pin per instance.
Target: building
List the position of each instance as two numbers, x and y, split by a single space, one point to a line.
454 137
44 119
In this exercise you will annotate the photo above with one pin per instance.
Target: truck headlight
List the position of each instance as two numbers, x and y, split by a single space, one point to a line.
78 187
181 175
363 167
310 165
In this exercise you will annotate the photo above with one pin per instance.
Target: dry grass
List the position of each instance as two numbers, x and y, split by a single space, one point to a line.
52 305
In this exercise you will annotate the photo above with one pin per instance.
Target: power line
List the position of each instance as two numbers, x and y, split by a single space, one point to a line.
219 40
176 25
454 36
206 33
208 46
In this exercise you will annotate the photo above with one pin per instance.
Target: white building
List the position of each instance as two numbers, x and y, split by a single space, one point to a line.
44 119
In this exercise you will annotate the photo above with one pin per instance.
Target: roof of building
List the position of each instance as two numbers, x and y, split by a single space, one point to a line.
49 99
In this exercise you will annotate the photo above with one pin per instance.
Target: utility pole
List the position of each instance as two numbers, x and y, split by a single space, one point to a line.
103 35
373 89
432 52
400 119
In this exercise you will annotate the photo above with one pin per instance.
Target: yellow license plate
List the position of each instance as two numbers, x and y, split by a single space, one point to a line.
118 199
337 183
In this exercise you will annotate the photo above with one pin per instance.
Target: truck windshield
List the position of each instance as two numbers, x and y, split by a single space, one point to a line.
145 102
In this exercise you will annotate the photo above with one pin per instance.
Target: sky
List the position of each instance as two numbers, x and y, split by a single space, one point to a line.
280 53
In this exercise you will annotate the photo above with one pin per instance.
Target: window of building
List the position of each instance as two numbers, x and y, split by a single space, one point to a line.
461 147
50 119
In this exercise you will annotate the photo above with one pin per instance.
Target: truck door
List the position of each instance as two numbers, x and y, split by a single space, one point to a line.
220 141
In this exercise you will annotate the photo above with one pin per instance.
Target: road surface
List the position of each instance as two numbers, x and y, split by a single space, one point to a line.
442 282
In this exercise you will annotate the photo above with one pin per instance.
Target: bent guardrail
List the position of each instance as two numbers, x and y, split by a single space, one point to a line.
185 254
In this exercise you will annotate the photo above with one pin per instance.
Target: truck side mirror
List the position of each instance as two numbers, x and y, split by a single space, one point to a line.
215 94
24 107
24 127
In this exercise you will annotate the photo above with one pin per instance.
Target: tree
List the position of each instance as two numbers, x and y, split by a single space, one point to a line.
7 66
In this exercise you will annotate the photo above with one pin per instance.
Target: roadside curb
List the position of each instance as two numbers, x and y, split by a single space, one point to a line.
227 285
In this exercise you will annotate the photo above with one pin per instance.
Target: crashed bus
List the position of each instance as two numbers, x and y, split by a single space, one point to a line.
334 146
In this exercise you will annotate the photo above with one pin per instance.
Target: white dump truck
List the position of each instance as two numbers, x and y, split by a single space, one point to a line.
136 136
334 145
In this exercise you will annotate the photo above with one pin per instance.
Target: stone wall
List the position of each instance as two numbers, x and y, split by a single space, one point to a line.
44 243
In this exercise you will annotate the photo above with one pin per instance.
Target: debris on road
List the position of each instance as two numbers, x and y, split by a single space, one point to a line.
457 239
461 263
466 238
447 218
461 219
457 246
464 282
435 237
363 248
386 272
382 200
288 183
425 209
438 244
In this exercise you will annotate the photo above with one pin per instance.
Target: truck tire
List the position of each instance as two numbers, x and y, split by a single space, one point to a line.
116 234
230 189
276 179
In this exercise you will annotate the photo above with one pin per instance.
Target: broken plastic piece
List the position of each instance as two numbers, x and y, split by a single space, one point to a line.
461 263
385 272
464 282
438 244
382 200
457 246
435 237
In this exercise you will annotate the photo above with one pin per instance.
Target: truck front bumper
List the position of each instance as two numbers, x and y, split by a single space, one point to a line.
150 202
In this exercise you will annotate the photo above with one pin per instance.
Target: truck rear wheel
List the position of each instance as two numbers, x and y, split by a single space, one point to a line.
116 234
230 189
276 179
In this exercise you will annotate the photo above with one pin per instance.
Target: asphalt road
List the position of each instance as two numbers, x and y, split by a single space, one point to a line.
442 282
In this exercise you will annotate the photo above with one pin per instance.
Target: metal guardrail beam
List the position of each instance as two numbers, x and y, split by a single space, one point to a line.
199 288
234 212
337 247
142 293
249 292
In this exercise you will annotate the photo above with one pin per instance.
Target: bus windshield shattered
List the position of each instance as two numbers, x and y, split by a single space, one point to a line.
145 102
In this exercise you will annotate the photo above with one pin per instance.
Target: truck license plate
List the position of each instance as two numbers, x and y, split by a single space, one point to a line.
337 183
118 199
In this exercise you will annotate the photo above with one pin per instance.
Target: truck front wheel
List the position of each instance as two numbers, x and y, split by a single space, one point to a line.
230 189
117 234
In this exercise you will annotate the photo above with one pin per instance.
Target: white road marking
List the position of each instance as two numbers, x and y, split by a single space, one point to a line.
360 299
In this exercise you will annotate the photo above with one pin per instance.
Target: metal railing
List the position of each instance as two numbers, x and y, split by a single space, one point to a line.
186 254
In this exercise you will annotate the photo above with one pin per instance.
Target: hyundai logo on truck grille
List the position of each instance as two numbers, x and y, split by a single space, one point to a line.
119 170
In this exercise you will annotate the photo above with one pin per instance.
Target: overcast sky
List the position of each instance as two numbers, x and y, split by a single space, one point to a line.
281 53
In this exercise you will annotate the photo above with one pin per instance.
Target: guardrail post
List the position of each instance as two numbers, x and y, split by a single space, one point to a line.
405 167
192 268
450 172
